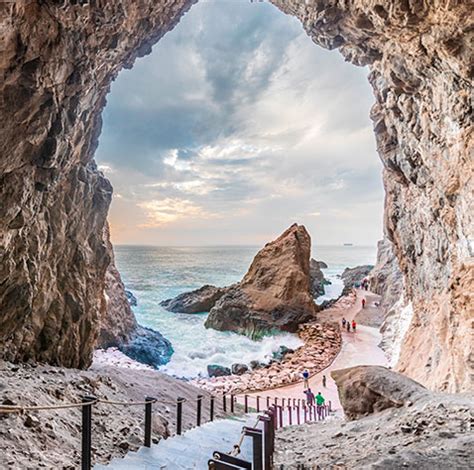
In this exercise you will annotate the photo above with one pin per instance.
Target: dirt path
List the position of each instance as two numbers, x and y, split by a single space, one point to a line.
357 349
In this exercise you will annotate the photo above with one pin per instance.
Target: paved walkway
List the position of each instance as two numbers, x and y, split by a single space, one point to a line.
360 348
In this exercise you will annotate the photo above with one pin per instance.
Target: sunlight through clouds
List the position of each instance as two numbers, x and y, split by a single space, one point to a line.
166 211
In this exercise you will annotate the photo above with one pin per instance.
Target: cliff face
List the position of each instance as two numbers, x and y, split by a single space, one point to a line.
117 322
57 61
275 294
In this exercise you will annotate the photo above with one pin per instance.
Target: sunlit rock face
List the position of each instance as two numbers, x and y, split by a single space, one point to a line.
57 60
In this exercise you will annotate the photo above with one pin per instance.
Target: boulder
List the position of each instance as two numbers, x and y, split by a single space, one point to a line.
239 369
352 276
318 280
364 390
196 301
275 293
148 347
280 354
254 365
215 370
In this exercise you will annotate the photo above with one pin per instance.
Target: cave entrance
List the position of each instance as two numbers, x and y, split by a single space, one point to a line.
234 127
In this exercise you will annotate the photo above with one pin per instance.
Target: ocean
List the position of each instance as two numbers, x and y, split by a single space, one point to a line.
156 273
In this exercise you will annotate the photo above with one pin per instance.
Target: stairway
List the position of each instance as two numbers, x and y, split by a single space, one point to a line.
190 451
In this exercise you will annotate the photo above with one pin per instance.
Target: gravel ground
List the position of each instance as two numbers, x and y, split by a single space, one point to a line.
434 433
52 439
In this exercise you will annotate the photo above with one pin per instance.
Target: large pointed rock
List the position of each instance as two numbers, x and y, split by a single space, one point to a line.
275 294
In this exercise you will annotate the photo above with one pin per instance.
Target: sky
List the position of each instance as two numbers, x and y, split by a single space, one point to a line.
236 126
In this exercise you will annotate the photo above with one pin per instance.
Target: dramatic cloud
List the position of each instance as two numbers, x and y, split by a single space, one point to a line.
236 126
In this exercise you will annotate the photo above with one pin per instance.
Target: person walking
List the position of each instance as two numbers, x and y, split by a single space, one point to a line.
305 380
343 322
348 325
324 381
319 404
353 326
363 302
309 396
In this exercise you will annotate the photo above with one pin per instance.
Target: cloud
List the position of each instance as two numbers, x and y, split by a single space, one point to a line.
166 211
237 115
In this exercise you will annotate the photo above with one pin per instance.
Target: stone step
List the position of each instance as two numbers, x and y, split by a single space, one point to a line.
190 451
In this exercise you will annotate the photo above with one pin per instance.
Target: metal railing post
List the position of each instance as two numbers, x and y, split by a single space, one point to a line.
258 403
179 415
232 402
224 403
280 412
211 409
257 447
330 405
87 432
148 412
246 404
268 402
198 410
290 418
298 415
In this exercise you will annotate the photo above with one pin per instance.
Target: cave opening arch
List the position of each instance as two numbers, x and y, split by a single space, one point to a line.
55 201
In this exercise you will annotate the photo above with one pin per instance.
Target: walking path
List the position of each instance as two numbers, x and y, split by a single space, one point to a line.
360 348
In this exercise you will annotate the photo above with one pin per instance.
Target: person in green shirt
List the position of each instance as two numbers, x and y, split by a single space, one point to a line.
320 399
319 405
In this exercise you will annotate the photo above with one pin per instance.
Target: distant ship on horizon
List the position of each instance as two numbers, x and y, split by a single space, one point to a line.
348 244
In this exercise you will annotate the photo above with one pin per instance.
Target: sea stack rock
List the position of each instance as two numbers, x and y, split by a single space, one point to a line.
275 294
196 301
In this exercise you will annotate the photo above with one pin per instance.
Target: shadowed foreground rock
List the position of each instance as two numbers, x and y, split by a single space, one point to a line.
364 390
274 294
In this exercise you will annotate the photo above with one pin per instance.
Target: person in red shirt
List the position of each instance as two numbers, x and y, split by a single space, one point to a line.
353 326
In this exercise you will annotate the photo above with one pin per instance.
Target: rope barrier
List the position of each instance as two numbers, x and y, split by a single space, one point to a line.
22 408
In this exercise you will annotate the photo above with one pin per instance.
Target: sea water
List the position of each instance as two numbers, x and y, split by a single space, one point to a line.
154 274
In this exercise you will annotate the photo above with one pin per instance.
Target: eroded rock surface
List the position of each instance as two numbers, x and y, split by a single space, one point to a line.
117 321
318 280
364 390
196 301
352 276
57 62
386 280
274 294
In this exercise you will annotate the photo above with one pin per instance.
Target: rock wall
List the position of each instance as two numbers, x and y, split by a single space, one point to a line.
57 60
386 280
117 322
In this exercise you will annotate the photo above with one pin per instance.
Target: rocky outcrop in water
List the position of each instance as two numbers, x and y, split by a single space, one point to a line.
148 347
57 62
352 276
119 327
196 301
275 292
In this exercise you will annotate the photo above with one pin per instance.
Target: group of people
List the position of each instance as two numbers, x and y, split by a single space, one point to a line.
310 397
346 324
